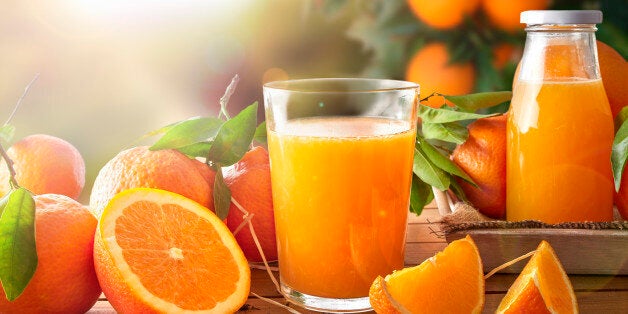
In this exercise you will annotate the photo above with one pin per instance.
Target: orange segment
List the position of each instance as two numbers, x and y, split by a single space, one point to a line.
542 287
451 281
158 251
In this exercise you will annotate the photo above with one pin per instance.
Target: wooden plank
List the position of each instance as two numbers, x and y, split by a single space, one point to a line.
607 302
429 215
418 252
501 282
422 233
603 252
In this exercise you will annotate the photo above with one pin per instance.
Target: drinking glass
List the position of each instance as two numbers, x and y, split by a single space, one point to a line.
341 153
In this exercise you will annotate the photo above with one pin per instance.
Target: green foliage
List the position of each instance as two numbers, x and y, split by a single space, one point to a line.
188 132
234 137
220 141
431 165
391 34
479 101
619 154
222 195
18 252
6 133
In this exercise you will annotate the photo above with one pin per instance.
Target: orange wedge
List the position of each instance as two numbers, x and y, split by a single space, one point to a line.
542 287
157 251
452 281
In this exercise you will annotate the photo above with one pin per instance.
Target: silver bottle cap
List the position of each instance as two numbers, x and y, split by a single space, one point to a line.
535 17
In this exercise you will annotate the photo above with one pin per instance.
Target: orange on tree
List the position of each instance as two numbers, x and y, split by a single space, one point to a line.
432 69
505 53
157 251
166 169
249 182
613 68
504 14
452 281
541 287
444 14
483 157
65 280
45 164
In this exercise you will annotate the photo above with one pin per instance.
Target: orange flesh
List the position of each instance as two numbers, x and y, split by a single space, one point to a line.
558 156
542 287
168 260
340 203
556 295
452 281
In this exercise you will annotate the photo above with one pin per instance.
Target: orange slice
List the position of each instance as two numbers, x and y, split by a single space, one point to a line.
452 281
542 287
157 251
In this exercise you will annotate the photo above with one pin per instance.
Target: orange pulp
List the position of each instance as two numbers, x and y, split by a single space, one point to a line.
341 195
560 135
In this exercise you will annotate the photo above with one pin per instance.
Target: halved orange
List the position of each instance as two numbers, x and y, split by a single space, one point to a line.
452 281
542 287
157 251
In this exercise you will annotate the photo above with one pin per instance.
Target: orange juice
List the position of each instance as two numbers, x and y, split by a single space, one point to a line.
341 196
560 135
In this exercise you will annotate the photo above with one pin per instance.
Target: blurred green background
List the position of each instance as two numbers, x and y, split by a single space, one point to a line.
113 70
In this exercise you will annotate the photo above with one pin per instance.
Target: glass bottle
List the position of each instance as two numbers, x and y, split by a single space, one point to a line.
560 127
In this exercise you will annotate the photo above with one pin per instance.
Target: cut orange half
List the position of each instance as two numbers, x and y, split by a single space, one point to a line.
542 287
452 281
157 251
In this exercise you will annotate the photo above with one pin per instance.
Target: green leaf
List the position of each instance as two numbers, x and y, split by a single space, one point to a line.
428 172
443 162
234 137
189 132
620 153
420 195
6 132
18 253
260 133
458 191
200 149
449 132
446 114
222 195
622 116
474 102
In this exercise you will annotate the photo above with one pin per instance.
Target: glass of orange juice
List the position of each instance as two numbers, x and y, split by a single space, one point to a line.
341 154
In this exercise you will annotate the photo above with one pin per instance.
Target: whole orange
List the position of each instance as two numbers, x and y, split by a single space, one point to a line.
249 181
166 169
505 53
613 68
505 13
443 14
483 157
45 164
430 67
65 280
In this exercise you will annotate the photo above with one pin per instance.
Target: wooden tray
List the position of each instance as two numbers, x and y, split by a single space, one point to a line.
581 251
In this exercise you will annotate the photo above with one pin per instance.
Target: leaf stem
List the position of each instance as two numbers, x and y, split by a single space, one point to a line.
224 100
19 101
431 95
9 163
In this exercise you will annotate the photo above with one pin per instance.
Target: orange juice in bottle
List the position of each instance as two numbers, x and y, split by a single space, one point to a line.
560 128
341 155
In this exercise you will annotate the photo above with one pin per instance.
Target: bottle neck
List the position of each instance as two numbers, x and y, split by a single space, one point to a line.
560 53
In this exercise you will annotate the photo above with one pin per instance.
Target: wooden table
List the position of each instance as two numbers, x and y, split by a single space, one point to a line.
596 294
